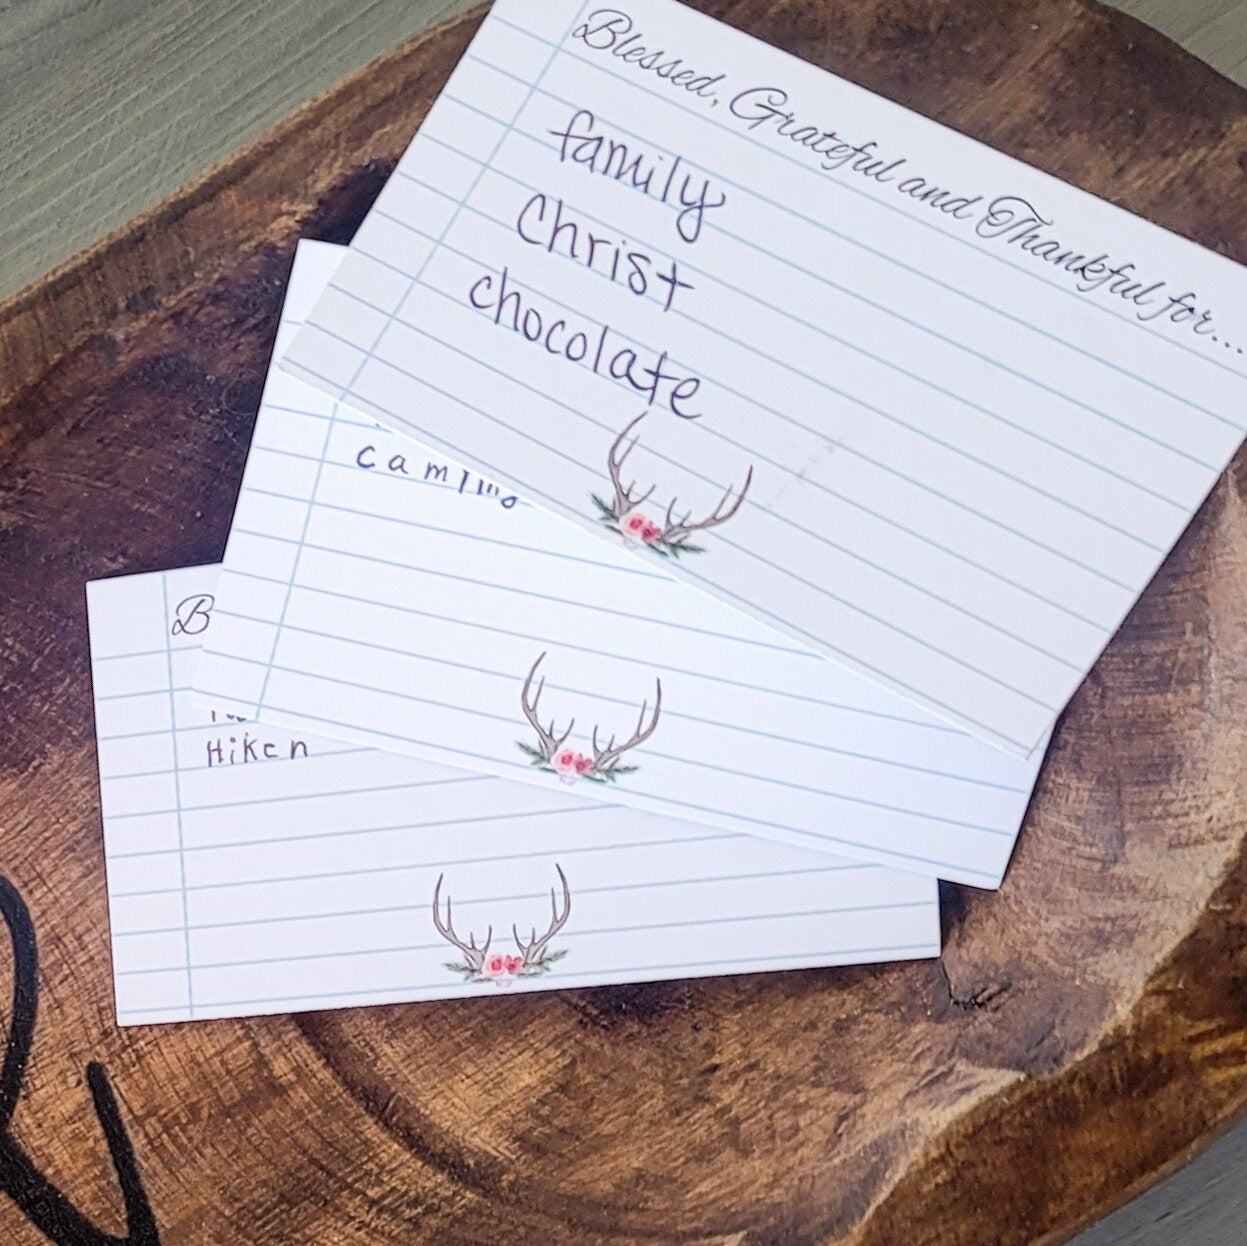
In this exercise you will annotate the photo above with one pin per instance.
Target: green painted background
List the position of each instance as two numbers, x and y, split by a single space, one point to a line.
108 105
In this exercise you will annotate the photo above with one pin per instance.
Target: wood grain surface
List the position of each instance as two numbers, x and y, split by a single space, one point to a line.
1087 1027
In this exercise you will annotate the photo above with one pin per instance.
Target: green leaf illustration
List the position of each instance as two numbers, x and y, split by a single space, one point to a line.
535 756
542 966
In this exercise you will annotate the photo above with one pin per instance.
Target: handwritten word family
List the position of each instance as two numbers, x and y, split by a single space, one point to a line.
598 346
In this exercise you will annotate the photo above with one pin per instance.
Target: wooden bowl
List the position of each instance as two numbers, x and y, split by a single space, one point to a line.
1087 1027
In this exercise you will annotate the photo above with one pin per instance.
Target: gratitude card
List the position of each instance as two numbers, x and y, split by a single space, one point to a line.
252 870
382 593
906 399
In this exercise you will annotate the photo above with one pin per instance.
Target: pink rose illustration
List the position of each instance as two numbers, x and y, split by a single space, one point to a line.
501 969
583 764
650 533
634 526
564 761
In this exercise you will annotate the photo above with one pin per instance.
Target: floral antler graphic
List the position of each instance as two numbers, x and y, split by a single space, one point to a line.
555 755
606 760
624 515
548 743
533 954
473 957
625 501
500 968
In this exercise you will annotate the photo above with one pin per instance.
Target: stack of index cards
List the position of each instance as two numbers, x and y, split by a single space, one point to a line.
868 437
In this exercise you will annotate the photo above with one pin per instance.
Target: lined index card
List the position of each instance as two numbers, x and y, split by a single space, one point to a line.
256 870
897 395
373 590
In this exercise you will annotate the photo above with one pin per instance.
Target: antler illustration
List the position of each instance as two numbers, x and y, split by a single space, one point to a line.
473 956
550 743
624 500
606 759
567 763
675 534
672 538
534 951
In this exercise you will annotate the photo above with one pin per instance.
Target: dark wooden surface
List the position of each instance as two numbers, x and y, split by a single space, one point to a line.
1087 1027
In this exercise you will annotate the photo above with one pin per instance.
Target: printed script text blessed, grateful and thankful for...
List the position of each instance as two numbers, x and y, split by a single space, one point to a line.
546 222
